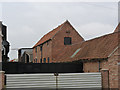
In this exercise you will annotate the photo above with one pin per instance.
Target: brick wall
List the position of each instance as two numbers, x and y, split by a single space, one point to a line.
113 70
87 66
111 65
119 75
103 64
58 40
46 52
105 78
55 46
1 80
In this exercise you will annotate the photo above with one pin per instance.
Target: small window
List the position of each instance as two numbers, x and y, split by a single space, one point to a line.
67 41
36 49
48 60
44 60
41 48
36 60
68 32
47 43
40 60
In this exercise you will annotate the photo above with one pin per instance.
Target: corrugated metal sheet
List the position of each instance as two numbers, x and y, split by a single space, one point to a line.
79 80
65 80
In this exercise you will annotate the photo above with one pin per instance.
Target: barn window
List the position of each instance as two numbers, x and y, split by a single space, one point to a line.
40 60
67 41
68 32
44 60
48 59
36 49
41 48
36 60
47 43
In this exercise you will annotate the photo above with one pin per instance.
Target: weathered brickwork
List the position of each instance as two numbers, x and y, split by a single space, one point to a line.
58 40
113 69
119 75
105 78
1 80
95 66
87 66
102 47
53 47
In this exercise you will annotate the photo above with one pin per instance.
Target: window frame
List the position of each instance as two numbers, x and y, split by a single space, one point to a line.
48 60
44 60
66 42
41 60
35 49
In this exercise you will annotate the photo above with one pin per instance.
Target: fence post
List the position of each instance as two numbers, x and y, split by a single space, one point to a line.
56 75
105 78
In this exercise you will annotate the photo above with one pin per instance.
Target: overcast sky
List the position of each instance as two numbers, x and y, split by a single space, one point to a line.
28 22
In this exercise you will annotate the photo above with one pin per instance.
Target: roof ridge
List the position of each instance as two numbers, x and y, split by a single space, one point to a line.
60 28
50 34
117 28
100 36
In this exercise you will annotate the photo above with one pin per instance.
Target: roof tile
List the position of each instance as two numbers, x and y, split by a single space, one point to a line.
100 47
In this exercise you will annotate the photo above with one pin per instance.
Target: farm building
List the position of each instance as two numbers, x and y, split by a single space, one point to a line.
25 55
51 45
65 44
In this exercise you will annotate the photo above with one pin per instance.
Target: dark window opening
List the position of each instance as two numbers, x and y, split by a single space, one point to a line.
36 49
44 60
68 32
40 60
67 41
27 57
48 60
41 48
36 60
47 43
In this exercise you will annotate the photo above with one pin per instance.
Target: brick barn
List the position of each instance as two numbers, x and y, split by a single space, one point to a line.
101 54
52 44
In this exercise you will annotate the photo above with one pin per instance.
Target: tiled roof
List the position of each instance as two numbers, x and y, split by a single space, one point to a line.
100 47
49 35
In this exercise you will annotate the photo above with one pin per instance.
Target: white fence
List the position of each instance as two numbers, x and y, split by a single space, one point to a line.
63 80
